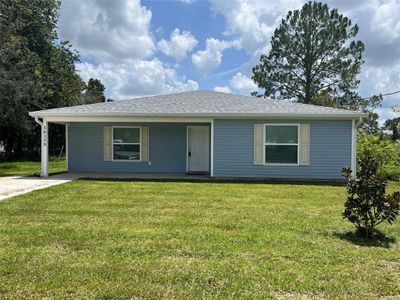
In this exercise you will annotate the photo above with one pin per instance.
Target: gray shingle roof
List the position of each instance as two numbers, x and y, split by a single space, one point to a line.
198 103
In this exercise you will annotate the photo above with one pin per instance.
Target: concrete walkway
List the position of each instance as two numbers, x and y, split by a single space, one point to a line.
16 185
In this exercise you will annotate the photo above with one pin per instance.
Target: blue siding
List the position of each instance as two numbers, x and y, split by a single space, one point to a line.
167 149
330 150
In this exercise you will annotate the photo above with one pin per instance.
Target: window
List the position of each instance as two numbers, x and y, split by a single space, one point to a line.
281 144
126 143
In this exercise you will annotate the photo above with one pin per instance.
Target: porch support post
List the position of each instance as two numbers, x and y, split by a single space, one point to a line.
353 147
66 145
44 149
212 149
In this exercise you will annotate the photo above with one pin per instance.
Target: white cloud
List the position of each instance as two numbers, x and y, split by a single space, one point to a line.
381 80
243 84
253 22
386 20
222 89
117 47
179 45
107 30
385 113
379 23
210 58
136 78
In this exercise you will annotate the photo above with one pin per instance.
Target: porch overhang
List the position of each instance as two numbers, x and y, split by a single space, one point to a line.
123 118
66 120
189 117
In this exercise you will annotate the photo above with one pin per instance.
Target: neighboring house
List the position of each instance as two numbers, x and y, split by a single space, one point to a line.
225 135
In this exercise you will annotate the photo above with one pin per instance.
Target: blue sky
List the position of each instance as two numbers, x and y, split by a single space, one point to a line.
140 48
197 18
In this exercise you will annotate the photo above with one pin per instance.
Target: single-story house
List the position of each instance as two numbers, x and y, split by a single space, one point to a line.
220 134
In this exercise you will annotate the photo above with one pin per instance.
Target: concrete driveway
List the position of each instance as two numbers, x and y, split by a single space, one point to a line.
16 185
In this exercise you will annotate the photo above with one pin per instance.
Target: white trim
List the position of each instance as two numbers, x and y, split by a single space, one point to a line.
140 144
102 115
212 149
353 148
66 146
44 152
140 141
281 164
282 144
263 148
45 149
187 148
127 119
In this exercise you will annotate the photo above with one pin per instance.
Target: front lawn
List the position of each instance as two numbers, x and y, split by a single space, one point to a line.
29 167
140 240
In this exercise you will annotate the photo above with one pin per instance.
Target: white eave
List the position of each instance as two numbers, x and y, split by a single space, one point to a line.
105 116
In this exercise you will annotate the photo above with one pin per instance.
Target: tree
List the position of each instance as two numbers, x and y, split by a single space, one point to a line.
367 203
63 83
314 54
324 99
394 126
37 71
94 92
370 124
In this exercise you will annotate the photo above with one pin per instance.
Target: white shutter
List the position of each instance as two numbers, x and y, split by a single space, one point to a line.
304 144
259 144
144 145
107 143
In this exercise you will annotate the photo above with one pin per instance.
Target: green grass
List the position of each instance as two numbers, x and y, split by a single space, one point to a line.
141 240
28 167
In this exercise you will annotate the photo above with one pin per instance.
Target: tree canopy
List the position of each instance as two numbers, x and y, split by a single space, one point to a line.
37 70
393 125
314 58
371 124
94 92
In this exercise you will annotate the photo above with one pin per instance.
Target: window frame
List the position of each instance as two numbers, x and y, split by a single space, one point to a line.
140 144
281 144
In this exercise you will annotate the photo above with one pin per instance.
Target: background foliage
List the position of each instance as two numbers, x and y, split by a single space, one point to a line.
37 71
387 153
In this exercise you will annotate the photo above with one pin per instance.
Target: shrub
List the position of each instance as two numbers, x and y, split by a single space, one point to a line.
387 153
367 203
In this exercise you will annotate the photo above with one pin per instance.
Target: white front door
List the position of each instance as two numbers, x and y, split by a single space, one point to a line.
198 149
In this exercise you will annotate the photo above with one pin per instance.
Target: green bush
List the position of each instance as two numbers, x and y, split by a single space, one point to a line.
367 203
392 172
385 151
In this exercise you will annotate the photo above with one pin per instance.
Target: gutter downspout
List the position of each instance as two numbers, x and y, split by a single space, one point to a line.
44 151
354 126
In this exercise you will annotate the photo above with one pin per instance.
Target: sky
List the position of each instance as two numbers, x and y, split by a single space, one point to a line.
139 48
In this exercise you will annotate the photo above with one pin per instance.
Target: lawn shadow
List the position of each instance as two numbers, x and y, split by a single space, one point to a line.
378 239
223 180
